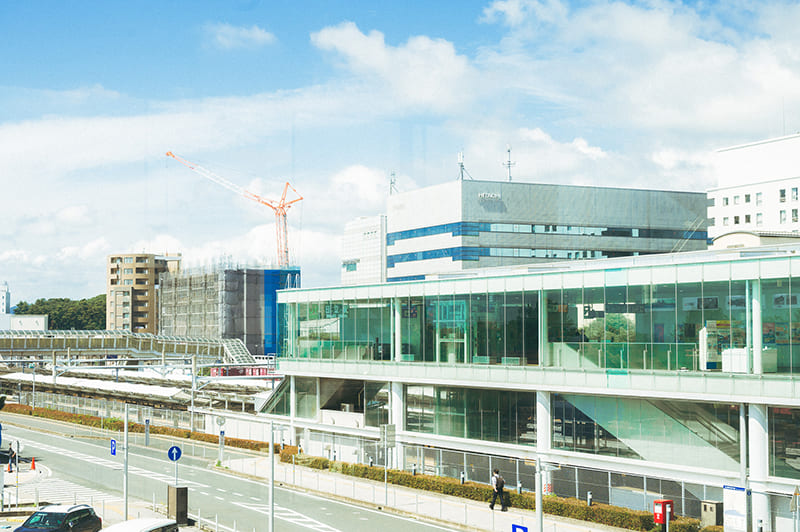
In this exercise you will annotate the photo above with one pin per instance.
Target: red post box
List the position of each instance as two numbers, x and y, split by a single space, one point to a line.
660 511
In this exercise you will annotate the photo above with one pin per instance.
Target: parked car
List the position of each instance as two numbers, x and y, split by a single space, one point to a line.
62 518
145 524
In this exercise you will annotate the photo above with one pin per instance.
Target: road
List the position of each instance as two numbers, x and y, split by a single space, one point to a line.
84 471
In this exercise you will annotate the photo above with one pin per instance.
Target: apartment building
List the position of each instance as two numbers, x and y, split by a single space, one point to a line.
132 290
758 189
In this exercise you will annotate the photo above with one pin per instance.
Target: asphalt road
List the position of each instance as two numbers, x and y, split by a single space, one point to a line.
84 471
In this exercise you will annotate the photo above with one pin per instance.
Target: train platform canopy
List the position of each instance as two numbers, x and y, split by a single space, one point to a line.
102 387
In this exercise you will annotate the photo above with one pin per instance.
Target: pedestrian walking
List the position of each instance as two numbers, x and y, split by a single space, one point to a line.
498 485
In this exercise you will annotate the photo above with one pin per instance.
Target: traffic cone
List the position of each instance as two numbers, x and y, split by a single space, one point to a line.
33 464
10 470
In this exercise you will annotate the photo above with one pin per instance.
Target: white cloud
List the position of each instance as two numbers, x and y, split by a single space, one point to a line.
94 249
423 72
76 214
516 12
228 37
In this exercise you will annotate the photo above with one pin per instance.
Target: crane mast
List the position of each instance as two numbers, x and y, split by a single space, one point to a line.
279 207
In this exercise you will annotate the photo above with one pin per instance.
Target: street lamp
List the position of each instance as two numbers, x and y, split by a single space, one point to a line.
271 477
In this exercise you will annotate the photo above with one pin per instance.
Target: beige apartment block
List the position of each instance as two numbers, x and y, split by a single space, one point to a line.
132 290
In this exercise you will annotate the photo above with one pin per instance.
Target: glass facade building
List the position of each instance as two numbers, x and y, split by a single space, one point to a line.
684 364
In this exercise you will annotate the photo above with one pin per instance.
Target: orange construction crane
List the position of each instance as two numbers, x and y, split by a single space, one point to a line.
280 207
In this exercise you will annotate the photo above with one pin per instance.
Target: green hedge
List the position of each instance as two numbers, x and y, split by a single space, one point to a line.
564 507
118 425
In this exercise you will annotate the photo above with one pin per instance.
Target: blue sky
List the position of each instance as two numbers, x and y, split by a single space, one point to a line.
334 96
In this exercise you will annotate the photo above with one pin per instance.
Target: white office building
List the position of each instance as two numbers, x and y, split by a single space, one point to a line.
5 299
364 250
464 225
758 189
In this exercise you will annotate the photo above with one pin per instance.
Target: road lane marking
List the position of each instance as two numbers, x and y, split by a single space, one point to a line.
103 462
290 515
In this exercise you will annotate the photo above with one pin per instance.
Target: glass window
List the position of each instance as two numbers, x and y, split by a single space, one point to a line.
128 260
747 198
724 202
419 408
735 220
782 195
759 198
794 193
782 217
376 403
759 219
747 218
784 448
736 200
618 426
725 221
794 215
777 303
306 397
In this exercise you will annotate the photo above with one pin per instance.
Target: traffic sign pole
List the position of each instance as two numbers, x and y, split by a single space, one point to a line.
174 454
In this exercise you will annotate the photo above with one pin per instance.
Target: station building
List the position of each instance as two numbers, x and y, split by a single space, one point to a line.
638 378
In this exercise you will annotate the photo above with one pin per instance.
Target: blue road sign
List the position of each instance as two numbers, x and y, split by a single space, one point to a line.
519 528
174 453
113 447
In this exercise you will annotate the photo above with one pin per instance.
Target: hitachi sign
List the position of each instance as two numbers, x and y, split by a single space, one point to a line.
488 196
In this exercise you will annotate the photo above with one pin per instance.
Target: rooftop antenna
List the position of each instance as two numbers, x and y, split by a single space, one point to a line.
461 168
392 184
509 163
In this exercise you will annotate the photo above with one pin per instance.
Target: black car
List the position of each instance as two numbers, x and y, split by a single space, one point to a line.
62 518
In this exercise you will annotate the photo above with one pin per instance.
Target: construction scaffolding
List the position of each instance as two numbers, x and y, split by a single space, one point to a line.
223 302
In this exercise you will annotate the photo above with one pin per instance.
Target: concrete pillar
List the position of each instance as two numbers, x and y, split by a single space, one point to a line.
758 330
397 329
544 435
397 417
292 398
544 355
759 466
543 427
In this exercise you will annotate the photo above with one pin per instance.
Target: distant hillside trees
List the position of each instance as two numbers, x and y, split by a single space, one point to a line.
65 314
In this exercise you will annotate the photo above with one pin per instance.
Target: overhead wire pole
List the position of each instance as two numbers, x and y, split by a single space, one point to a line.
279 207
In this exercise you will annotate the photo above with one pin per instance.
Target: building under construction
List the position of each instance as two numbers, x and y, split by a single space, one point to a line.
225 302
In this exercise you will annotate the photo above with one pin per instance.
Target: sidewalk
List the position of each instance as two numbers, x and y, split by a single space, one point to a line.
448 511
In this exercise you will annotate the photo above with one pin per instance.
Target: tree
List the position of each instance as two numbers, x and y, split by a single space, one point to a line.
66 314
612 328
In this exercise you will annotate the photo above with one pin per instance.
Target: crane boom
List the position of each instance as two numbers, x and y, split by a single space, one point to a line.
279 207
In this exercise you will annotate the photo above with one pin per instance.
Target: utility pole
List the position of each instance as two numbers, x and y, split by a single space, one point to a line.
271 477
125 465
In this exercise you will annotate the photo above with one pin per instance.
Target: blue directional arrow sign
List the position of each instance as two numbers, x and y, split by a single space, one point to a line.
174 453
113 447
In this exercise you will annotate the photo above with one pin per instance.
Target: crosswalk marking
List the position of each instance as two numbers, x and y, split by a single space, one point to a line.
58 491
291 516
103 462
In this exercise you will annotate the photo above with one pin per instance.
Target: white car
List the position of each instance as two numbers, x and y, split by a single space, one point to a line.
145 524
